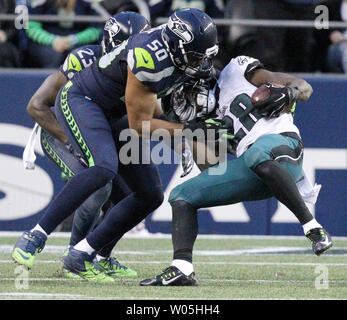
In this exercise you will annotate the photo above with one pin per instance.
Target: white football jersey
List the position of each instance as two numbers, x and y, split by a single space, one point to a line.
235 92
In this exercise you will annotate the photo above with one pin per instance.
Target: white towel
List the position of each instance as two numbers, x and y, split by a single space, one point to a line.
29 156
308 192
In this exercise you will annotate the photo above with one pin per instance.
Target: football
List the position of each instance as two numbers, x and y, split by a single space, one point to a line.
263 92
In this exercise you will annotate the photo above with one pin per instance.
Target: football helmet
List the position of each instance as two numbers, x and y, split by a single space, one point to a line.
190 37
120 27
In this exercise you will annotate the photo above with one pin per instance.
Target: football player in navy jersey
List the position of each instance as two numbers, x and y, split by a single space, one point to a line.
128 80
55 143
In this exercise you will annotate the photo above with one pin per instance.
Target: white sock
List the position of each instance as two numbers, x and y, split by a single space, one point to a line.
39 228
310 225
185 266
98 257
83 245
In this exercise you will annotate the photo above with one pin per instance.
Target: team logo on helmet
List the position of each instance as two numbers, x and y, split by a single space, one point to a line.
112 27
181 29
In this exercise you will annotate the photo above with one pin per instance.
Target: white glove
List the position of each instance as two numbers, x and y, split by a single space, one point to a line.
187 162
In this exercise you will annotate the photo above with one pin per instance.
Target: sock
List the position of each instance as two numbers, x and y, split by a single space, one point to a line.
184 229
310 225
84 246
185 266
73 194
284 188
39 228
98 257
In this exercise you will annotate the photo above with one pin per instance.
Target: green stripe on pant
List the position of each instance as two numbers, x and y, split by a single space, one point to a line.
73 125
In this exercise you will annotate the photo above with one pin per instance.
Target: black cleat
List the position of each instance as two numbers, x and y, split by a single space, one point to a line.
321 240
171 276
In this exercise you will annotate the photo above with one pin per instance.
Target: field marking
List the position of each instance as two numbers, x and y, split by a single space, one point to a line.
199 279
246 263
264 250
35 294
66 235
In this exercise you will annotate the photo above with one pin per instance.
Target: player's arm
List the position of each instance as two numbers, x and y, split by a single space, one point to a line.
142 105
39 106
303 88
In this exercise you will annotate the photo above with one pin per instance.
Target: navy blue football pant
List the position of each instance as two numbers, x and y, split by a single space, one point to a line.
90 132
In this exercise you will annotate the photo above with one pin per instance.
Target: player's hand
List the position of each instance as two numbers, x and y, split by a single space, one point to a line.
205 125
77 155
278 99
61 44
187 162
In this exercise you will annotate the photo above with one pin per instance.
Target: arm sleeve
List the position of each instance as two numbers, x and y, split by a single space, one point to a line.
86 36
37 34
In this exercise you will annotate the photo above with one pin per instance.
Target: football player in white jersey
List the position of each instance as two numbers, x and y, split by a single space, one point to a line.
269 156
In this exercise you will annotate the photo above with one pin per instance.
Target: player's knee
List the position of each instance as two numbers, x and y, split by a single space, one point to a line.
255 156
264 169
157 199
179 193
152 199
103 175
99 197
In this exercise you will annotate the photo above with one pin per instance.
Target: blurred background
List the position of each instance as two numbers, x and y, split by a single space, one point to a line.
286 35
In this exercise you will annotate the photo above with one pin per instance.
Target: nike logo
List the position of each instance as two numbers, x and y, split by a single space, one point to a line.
281 97
166 282
326 241
23 256
146 61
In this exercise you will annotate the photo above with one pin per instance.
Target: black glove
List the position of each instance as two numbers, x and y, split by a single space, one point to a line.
204 125
279 98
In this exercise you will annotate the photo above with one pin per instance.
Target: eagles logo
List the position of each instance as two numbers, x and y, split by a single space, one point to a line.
181 29
112 27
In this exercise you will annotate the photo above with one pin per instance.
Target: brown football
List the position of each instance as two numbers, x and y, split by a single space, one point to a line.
261 94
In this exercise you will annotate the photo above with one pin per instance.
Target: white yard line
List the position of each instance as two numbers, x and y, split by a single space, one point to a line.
5 248
246 263
39 295
200 279
15 234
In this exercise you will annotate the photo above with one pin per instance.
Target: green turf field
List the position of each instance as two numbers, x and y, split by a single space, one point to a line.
227 268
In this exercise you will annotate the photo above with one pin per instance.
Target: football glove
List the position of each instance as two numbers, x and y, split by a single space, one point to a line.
77 155
206 126
187 162
278 99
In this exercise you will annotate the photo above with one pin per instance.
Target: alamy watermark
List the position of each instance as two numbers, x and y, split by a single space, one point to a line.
21 280
22 20
207 149
322 280
322 19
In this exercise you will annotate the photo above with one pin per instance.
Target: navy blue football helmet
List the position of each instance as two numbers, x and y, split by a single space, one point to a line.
121 26
191 40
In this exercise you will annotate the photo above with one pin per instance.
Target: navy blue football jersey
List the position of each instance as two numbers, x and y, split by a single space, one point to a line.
79 59
145 54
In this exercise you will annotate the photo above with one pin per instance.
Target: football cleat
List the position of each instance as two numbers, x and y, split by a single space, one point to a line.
171 276
321 240
113 268
81 263
66 272
27 247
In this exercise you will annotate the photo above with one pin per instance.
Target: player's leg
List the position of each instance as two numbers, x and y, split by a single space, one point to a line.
277 160
238 183
87 124
103 259
146 196
86 215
